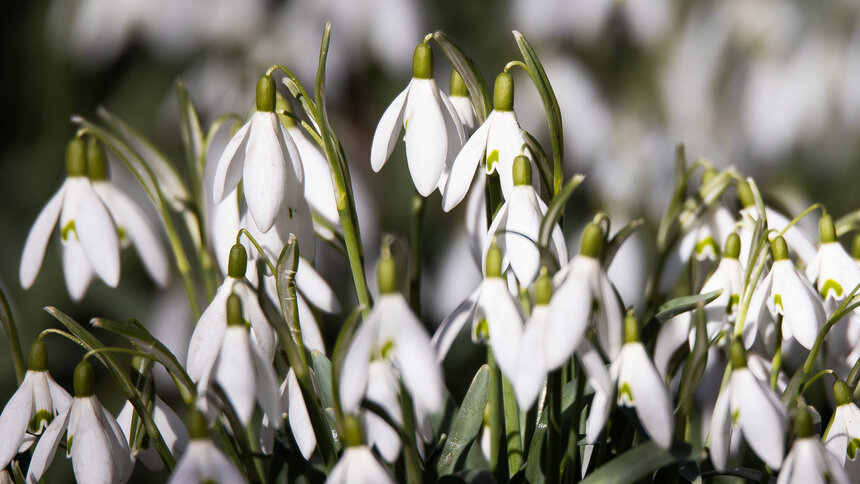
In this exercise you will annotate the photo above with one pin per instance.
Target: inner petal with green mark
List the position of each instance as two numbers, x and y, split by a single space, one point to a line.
625 394
68 228
707 248
36 422
777 303
853 445
481 331
384 351
733 303
492 161
831 285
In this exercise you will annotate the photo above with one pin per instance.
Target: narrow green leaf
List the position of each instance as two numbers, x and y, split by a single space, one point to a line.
543 162
556 208
322 371
468 422
618 239
464 66
637 463
667 222
674 307
696 361
192 137
534 471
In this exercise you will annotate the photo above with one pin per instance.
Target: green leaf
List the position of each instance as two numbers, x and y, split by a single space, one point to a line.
468 422
322 371
556 208
542 161
192 137
674 307
637 463
534 471
618 239
550 104
695 367
464 66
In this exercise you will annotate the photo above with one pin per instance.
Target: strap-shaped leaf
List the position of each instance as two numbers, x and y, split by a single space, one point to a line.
534 471
542 161
464 66
618 239
639 462
192 137
556 208
674 307
468 422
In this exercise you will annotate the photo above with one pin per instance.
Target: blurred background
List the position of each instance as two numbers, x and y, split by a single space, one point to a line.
770 87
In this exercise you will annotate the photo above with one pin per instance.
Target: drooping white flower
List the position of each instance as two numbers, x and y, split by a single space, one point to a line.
87 231
95 442
640 386
202 462
809 462
584 291
516 228
833 271
33 406
428 117
497 142
842 437
358 465
169 425
459 97
266 159
785 291
748 406
293 404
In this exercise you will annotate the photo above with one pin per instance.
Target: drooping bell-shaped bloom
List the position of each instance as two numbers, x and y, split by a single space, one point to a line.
202 462
459 97
95 443
357 464
842 438
293 404
88 233
33 406
429 119
809 462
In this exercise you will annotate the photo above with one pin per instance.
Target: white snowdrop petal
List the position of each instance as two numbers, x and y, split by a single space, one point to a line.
463 106
14 420
300 421
268 393
170 426
521 233
383 388
59 396
464 166
426 136
609 315
146 240
415 358
456 121
504 323
76 269
37 239
221 469
448 330
208 333
762 422
386 134
802 310
569 314
353 374
531 370
311 336
319 190
315 288
228 171
264 175
650 396
44 452
91 450
672 334
234 371
758 312
96 231
721 429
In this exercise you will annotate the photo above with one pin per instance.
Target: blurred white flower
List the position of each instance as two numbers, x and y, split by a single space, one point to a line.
169 425
842 437
358 465
809 461
202 462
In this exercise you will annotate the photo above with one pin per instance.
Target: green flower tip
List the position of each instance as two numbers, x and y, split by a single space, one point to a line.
76 157
234 311
780 250
238 262
745 194
281 105
97 167
803 423
522 171
352 432
494 261
198 428
83 380
827 229
38 360
592 241
422 62
386 274
631 328
503 93
266 94
733 246
543 288
458 86
738 355
841 393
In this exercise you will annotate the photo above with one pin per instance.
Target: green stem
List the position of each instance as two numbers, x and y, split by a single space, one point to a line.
512 428
495 420
553 431
14 340
776 363
416 247
414 473
574 464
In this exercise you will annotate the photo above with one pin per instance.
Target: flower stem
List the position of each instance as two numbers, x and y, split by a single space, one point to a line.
494 407
776 363
14 341
553 433
414 472
416 247
513 436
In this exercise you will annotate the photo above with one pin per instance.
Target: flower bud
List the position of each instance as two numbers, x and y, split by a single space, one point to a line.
281 105
745 194
83 380
234 311
458 86
351 432
38 359
386 274
422 62
737 355
543 288
780 249
503 93
522 171
76 157
592 241
631 328
803 423
826 229
494 261
97 167
238 262
198 428
841 392
733 246
266 94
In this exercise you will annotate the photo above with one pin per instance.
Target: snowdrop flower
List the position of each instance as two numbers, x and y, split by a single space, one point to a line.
516 227
842 437
427 116
293 404
392 332
87 231
33 406
225 355
202 462
95 442
833 271
132 224
796 239
493 315
749 406
357 464
583 292
267 161
641 387
497 142
784 291
459 97
809 462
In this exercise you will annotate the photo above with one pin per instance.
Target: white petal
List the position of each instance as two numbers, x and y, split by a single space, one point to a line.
14 420
758 313
146 240
504 323
268 393
609 316
447 332
44 452
300 422
504 142
235 373
570 309
353 373
37 239
415 357
650 396
802 310
531 370
228 172
673 333
387 131
262 331
464 166
383 388
59 395
500 221
794 236
265 173
96 231
426 136
170 426
463 106
319 189
315 288
761 416
76 269
220 469
601 382
721 430
120 456
521 233
311 336
208 334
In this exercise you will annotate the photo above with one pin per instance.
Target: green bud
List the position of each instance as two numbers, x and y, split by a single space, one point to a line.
494 261
826 229
97 166
745 194
422 62
458 86
83 380
38 360
803 423
631 328
592 241
738 355
386 274
733 246
503 93
281 105
522 171
841 392
76 157
234 311
237 265
198 428
543 288
351 435
266 94
780 250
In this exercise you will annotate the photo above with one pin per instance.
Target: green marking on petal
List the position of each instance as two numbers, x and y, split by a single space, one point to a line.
36 422
386 349
625 394
69 445
829 285
481 331
853 445
706 243
492 161
69 227
733 302
735 415
777 301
